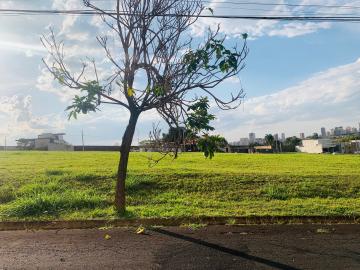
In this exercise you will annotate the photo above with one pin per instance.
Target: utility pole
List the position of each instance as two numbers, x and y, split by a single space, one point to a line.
82 139
183 139
5 144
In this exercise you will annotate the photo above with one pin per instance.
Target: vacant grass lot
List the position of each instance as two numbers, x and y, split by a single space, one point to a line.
73 185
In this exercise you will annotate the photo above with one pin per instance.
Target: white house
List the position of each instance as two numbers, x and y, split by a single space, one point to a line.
52 142
47 142
317 146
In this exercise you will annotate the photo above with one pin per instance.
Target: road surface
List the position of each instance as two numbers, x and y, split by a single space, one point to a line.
212 247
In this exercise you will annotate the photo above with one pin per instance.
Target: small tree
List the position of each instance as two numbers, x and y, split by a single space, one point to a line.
291 143
269 139
153 40
315 136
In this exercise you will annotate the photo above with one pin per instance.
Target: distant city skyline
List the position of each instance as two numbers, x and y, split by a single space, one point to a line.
334 131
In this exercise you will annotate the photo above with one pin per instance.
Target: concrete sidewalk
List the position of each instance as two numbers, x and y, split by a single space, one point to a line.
213 247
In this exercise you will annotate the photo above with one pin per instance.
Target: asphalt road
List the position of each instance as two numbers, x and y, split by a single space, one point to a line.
213 247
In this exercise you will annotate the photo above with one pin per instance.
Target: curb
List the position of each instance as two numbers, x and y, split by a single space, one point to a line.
255 220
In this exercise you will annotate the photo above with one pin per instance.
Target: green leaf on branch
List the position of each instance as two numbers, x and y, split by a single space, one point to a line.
199 117
89 102
158 91
212 56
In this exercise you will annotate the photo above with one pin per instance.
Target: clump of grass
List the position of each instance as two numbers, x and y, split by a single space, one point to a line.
85 177
276 192
7 193
54 204
54 172
231 221
34 189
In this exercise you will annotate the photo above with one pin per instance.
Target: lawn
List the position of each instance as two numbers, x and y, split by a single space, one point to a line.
78 185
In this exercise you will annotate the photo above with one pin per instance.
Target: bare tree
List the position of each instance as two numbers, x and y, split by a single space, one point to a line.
154 41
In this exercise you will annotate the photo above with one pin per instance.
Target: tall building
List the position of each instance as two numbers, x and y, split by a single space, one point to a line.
323 132
283 137
302 136
244 141
260 141
348 130
338 131
276 137
252 137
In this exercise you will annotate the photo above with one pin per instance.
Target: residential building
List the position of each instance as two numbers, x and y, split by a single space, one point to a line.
352 147
236 148
302 136
263 149
244 141
260 141
46 142
317 146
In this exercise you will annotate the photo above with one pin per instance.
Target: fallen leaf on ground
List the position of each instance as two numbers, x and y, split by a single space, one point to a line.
140 230
322 230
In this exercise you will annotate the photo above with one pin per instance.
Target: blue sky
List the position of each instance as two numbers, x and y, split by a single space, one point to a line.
298 76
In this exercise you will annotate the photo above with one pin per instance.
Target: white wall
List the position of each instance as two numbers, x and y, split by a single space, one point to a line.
60 147
315 146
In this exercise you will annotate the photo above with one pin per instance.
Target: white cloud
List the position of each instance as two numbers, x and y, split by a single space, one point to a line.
298 29
259 28
18 119
28 49
78 36
47 83
69 20
328 98
6 4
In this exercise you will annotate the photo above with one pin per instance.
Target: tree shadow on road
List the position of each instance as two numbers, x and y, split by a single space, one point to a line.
230 251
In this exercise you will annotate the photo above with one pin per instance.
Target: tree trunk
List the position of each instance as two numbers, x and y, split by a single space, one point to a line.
123 163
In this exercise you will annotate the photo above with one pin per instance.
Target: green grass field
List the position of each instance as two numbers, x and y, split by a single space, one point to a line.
76 185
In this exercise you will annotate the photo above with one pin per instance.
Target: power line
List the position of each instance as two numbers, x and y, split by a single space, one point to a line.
82 140
263 4
248 17
247 3
277 4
